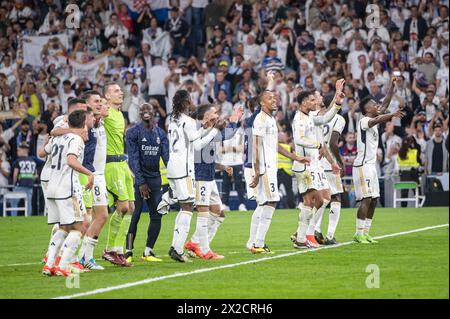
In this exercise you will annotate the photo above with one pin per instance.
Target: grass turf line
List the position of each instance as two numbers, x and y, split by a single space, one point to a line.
414 265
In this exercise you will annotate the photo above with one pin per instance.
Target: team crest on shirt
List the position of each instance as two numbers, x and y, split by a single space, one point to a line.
158 141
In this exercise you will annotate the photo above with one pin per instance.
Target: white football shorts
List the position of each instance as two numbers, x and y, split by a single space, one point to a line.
207 193
267 189
183 189
365 179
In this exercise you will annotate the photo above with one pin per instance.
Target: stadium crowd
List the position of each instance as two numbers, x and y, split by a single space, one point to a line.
219 52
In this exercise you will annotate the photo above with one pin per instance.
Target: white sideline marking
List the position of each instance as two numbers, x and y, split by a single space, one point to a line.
24 264
198 271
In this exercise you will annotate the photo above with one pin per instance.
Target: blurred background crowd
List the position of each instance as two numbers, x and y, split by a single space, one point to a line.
219 51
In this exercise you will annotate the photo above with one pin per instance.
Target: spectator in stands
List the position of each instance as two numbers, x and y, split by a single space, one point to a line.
24 175
222 84
179 32
5 173
156 75
231 153
348 152
436 155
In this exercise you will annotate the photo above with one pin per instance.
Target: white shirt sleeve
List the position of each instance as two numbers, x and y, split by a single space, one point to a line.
259 127
364 122
48 147
76 146
339 125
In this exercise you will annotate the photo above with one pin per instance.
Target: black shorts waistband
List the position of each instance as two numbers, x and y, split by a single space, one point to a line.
115 158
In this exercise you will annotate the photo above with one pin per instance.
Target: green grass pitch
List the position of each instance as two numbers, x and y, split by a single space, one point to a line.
412 265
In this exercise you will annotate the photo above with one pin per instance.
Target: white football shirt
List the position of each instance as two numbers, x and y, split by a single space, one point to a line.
305 140
337 124
100 149
182 134
59 122
62 176
265 126
367 143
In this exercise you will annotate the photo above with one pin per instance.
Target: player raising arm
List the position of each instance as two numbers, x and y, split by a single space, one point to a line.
331 135
365 177
311 180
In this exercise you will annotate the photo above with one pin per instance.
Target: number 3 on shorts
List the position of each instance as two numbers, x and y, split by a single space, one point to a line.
272 187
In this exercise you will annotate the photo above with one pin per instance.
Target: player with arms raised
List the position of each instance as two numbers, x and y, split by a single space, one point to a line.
311 180
331 134
365 177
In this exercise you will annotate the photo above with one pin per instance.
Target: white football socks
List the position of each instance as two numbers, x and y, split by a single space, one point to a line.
335 213
368 224
202 231
305 216
147 251
360 225
254 226
54 246
181 230
312 222
264 224
214 223
87 248
70 247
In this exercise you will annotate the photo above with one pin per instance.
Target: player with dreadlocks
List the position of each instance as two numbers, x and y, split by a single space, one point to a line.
184 138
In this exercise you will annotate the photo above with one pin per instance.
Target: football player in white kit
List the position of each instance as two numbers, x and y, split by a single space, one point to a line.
97 196
264 156
64 199
365 177
184 138
311 181
331 134
61 127
208 203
